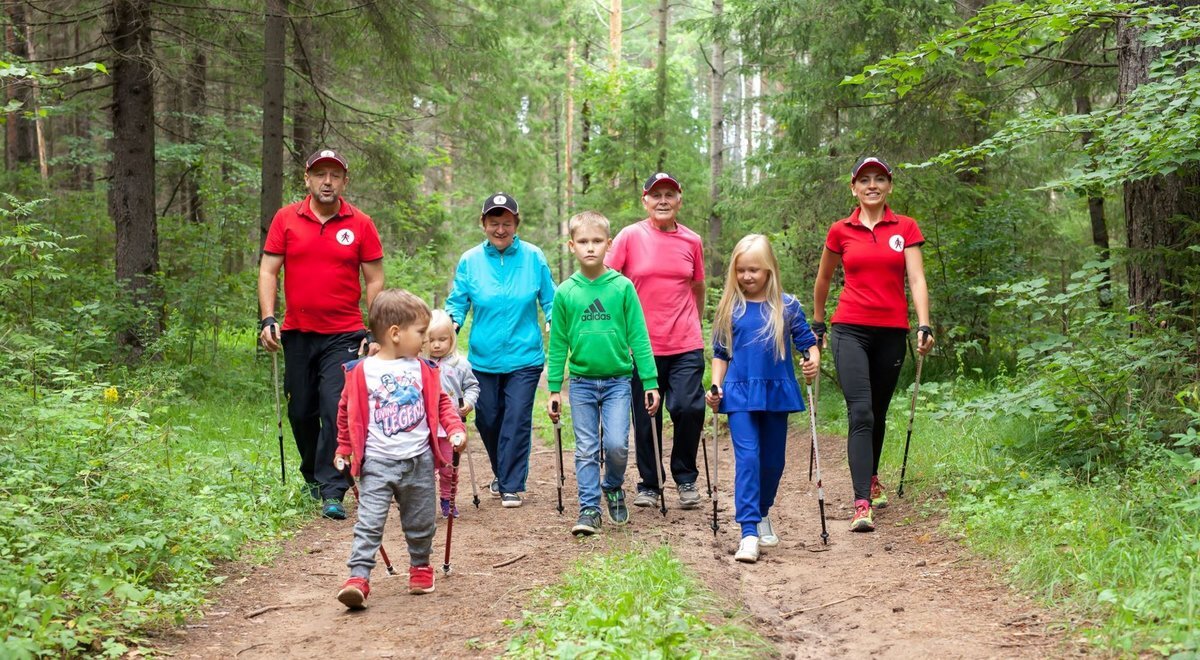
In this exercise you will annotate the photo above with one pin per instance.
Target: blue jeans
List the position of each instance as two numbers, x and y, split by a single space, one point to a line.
504 418
599 406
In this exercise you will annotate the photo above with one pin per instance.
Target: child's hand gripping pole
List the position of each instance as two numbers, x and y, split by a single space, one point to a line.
816 454
662 475
340 464
558 455
450 519
470 465
716 394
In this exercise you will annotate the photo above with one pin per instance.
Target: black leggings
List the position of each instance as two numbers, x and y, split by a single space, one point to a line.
868 362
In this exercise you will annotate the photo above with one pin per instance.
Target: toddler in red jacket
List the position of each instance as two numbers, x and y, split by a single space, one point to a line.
390 408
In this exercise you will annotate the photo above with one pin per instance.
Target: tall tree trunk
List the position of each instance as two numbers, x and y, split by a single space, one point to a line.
302 119
197 97
84 175
585 129
271 197
1157 209
716 141
568 178
660 91
614 35
131 186
39 124
20 140
1095 201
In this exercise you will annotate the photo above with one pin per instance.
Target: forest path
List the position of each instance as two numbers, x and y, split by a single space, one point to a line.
905 590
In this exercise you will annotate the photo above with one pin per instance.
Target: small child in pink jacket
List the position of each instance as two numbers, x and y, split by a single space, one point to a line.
391 408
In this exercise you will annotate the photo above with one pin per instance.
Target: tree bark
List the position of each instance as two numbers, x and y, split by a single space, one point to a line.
585 130
568 178
271 197
614 35
716 142
39 124
197 78
20 141
131 185
1157 209
660 91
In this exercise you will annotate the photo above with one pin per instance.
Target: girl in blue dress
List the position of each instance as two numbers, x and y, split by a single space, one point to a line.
753 333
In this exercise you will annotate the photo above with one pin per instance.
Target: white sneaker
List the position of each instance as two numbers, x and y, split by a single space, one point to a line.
747 550
766 534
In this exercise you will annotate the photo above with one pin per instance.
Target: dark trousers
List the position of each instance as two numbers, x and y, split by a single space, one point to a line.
680 382
504 418
312 381
868 364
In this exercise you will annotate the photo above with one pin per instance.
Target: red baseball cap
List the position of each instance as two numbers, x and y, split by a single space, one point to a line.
322 155
870 160
660 177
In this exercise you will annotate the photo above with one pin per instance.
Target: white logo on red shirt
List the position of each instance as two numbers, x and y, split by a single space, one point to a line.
896 242
345 237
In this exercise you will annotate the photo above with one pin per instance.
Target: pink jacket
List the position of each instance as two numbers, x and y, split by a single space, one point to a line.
354 413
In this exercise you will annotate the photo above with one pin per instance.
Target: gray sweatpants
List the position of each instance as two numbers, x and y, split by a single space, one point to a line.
410 482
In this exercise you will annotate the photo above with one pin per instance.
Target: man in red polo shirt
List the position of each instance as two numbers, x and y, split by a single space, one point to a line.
321 243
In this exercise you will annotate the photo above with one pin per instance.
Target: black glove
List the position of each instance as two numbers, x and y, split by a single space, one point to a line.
819 329
923 329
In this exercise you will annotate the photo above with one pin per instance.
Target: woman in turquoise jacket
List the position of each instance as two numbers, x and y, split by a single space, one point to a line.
504 280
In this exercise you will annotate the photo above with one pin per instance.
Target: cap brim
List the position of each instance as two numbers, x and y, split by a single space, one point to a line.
327 159
667 180
487 209
871 163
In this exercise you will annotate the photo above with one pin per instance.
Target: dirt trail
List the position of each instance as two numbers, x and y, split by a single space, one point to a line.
903 591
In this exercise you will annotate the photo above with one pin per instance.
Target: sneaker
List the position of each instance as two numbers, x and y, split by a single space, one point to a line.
689 497
588 522
878 495
495 488
864 518
617 511
646 498
333 510
420 579
449 509
766 534
510 500
747 551
354 593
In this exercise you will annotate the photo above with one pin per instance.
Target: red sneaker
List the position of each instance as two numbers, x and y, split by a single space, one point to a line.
420 579
354 593
864 519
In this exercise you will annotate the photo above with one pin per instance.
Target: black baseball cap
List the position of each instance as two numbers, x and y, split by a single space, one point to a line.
322 155
659 177
870 160
500 200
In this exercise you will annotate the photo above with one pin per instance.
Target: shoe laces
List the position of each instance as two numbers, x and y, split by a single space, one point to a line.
861 508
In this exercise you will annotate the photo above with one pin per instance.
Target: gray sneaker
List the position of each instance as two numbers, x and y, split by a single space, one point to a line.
767 537
510 500
646 498
495 488
689 497
617 511
588 522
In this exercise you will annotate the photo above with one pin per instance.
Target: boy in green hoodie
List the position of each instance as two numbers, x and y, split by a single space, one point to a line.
598 332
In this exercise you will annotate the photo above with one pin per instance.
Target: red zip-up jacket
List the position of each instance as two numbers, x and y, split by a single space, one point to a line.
354 413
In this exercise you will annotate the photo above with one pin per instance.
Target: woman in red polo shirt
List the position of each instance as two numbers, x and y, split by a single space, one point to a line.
876 249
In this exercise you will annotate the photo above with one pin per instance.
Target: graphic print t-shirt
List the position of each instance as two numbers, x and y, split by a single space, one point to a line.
396 428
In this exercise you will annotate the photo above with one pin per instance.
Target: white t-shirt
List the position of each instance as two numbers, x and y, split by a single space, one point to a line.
397 428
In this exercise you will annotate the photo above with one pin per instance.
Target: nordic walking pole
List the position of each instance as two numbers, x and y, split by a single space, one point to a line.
816 454
912 412
716 461
450 518
559 462
470 466
704 448
812 452
662 476
345 470
278 406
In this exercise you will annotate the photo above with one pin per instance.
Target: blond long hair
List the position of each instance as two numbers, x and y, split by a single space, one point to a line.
733 301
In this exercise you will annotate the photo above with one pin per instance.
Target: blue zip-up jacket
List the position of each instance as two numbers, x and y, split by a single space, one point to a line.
505 290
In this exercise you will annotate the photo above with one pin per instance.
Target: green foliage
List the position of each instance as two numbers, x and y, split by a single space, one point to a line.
630 605
117 499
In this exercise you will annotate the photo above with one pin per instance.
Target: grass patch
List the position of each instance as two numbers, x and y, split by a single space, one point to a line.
1118 548
629 605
